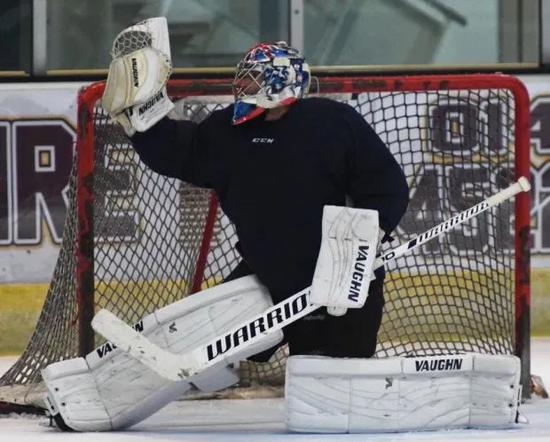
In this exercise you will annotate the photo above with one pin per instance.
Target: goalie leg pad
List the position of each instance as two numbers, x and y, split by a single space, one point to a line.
109 390
331 395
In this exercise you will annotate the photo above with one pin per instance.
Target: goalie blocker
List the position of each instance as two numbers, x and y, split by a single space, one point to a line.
329 395
344 267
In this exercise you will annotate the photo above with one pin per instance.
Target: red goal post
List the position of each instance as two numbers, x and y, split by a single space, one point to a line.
459 138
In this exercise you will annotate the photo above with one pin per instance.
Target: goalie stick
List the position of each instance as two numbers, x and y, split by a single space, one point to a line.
176 367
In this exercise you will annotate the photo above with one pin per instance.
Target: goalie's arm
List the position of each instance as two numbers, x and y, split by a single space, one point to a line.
176 149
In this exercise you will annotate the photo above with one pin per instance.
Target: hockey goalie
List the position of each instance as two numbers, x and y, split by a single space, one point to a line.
284 167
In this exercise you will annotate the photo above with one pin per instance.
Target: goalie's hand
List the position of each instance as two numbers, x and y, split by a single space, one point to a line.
346 257
141 117
135 94
134 78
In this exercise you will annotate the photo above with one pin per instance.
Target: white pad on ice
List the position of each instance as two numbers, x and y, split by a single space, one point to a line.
332 395
110 390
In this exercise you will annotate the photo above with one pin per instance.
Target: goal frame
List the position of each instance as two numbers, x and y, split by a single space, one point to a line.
89 96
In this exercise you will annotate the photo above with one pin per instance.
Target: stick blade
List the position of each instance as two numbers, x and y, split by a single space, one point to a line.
168 365
115 330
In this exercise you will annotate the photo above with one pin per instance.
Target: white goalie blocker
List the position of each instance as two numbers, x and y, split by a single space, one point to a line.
110 390
135 94
334 395
345 263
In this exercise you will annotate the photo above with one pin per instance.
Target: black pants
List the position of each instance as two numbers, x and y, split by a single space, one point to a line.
352 335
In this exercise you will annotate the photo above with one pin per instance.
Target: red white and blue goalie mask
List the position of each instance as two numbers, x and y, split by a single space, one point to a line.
268 76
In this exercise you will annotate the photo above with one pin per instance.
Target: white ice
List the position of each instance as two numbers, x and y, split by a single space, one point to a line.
263 420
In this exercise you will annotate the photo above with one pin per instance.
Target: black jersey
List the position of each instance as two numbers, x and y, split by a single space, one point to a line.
273 178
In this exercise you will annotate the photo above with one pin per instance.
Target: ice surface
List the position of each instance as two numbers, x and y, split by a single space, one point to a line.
263 420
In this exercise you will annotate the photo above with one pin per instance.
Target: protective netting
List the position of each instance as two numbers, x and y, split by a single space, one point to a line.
455 294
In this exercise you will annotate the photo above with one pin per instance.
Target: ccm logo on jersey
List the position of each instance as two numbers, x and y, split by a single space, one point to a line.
358 273
263 140
438 365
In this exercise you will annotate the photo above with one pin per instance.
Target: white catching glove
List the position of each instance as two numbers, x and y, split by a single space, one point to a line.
134 78
346 257
135 93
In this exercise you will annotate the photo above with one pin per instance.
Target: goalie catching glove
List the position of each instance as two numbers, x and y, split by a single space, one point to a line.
344 266
135 94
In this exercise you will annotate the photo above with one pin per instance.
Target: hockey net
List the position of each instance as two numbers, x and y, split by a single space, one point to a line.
135 241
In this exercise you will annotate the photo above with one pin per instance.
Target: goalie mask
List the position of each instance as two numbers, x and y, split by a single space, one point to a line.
268 76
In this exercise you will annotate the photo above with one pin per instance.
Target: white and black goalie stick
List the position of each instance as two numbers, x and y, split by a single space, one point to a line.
177 367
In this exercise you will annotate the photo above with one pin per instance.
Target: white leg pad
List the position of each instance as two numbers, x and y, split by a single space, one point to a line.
109 390
333 395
